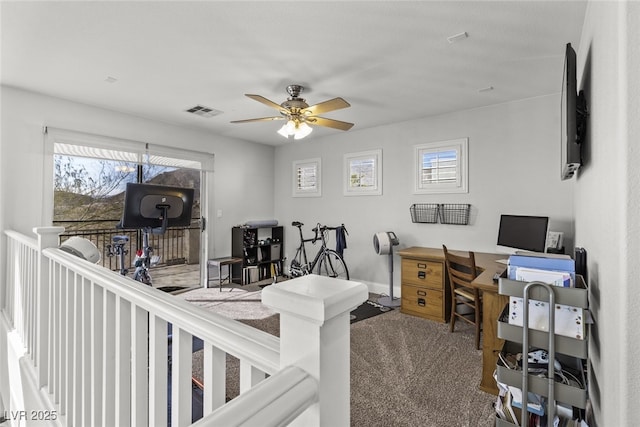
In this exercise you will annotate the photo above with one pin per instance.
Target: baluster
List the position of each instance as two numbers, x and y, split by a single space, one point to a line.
249 375
109 334
75 411
7 301
63 355
26 302
123 362
181 345
54 331
158 371
69 358
34 312
139 373
214 378
97 354
87 287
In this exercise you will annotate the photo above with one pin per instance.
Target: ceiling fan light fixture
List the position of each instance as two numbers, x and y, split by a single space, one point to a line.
296 129
302 130
284 130
299 114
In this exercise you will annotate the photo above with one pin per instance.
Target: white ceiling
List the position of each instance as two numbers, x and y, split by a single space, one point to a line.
389 59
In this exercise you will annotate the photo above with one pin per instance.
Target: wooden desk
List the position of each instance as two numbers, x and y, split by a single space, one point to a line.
493 303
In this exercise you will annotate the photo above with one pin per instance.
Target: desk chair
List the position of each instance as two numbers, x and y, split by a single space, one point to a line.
462 271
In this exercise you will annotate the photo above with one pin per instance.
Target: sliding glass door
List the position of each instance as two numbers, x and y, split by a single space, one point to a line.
88 200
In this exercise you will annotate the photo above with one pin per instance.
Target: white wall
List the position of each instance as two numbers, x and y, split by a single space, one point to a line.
242 185
607 202
514 167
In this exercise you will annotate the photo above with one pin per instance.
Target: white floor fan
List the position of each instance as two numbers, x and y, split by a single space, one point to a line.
383 243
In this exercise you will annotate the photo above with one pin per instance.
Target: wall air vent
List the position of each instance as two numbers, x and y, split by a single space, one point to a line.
203 111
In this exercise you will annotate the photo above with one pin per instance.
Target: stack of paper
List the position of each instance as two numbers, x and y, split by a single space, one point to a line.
555 278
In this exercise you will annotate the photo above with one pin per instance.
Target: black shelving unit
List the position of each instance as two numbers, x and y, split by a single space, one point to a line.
261 250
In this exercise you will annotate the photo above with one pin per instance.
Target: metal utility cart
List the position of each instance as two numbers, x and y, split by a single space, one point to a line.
572 352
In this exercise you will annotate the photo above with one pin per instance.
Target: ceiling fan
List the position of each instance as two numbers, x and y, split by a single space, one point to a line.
299 115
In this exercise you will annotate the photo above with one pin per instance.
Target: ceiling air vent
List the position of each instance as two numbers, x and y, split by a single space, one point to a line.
203 111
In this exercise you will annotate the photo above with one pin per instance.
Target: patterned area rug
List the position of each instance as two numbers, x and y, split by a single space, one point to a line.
238 302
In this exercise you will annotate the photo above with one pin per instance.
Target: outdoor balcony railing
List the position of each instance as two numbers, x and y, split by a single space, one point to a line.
177 245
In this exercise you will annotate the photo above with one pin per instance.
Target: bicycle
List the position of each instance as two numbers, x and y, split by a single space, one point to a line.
142 262
327 262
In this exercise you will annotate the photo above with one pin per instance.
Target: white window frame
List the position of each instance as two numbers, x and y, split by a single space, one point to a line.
314 190
461 184
374 188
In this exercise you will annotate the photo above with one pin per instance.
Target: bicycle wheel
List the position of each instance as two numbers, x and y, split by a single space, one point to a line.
142 275
295 269
332 265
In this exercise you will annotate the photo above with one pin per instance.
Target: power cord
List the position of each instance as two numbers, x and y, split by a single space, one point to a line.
510 361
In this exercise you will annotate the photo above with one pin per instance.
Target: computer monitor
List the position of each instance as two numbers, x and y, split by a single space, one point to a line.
522 233
156 207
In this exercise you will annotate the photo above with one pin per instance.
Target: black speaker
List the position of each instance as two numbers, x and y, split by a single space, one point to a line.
581 263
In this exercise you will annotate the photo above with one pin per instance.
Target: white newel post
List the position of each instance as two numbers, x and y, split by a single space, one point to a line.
315 336
48 237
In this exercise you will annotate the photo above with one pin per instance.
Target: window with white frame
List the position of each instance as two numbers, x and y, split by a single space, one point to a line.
363 173
442 167
88 175
307 178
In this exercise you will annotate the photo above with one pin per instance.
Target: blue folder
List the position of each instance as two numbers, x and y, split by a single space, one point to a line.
542 263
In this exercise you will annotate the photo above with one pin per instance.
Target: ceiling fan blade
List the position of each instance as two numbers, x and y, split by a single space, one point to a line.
266 102
330 123
326 106
262 119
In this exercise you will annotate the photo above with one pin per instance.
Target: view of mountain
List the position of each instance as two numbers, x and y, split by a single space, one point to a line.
73 207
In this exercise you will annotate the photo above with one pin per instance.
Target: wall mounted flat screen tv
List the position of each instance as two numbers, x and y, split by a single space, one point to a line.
522 233
573 115
145 206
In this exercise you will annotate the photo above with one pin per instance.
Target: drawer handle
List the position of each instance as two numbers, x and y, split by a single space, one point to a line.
422 274
422 293
422 302
422 265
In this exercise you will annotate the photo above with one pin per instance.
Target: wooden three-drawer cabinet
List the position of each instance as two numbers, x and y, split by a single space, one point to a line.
424 284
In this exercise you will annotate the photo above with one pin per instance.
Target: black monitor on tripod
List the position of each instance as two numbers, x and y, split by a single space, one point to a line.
156 207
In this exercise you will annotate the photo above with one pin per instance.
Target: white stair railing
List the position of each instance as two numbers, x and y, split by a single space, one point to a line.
98 348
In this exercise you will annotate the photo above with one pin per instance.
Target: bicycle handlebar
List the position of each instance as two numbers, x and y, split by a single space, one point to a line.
317 229
326 227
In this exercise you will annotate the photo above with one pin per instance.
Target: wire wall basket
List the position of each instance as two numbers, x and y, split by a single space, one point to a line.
448 213
424 212
454 213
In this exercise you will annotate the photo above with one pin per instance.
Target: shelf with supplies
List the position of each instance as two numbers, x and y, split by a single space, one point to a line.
564 392
261 250
576 297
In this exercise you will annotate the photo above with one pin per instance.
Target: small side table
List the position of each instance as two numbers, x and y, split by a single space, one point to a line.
221 262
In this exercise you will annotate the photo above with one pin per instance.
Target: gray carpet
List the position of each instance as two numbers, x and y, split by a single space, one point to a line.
405 371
